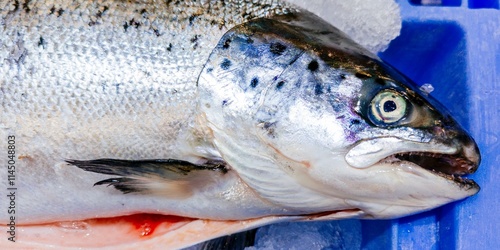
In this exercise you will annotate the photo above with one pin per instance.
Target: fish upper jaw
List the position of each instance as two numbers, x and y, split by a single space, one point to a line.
368 152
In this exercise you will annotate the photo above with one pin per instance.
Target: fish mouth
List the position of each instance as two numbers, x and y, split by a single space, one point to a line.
453 167
452 160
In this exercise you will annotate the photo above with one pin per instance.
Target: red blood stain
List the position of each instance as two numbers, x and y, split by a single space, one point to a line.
145 224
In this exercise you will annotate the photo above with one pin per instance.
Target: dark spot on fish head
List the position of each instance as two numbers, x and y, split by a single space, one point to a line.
225 64
313 65
353 129
280 85
343 76
277 48
226 44
254 82
318 89
209 70
169 47
224 103
355 122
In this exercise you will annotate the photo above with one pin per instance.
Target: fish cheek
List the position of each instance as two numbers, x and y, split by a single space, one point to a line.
297 120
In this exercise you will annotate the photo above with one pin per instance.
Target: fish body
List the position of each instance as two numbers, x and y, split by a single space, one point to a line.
235 113
116 83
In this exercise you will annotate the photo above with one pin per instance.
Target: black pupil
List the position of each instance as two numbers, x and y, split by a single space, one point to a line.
390 106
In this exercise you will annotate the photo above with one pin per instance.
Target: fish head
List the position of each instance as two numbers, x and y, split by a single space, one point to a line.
315 123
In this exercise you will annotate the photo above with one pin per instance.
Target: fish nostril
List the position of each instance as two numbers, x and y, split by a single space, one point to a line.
439 131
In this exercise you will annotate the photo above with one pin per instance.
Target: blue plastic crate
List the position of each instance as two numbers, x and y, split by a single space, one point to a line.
455 46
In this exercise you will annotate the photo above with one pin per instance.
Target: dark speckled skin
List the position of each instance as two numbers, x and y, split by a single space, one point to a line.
257 59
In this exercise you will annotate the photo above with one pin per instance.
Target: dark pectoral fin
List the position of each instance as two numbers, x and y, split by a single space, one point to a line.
170 178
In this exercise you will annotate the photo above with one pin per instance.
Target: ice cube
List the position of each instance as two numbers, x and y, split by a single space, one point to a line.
373 24
343 234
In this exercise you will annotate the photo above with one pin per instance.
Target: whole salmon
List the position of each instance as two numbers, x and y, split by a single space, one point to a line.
213 116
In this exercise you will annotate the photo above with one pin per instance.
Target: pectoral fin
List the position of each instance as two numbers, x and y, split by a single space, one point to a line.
166 177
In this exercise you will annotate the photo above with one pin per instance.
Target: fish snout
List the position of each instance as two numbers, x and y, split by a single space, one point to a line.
469 151
467 158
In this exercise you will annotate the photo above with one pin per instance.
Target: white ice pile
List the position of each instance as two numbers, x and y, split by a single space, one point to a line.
373 24
344 234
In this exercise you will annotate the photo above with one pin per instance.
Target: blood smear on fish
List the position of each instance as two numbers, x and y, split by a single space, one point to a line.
144 224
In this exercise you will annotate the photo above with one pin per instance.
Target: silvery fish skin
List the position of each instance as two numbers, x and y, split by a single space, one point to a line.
239 113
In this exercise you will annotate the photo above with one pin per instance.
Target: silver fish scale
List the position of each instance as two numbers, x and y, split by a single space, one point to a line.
108 79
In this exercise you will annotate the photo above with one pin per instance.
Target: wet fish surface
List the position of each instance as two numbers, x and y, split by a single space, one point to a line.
223 115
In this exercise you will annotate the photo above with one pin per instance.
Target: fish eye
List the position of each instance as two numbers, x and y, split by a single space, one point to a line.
387 108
